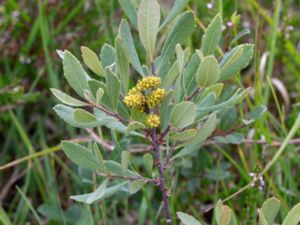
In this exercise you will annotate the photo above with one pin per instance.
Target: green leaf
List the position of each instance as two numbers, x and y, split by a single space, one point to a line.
270 209
189 74
122 65
116 169
183 114
83 116
237 97
148 23
208 72
262 220
75 74
179 56
66 113
99 95
224 214
98 193
184 135
204 132
177 7
129 10
171 76
148 162
181 30
113 88
216 88
97 152
80 155
135 186
236 60
67 99
125 34
234 138
108 55
212 36
164 113
107 193
187 219
135 125
94 87
293 217
92 61
125 159
109 121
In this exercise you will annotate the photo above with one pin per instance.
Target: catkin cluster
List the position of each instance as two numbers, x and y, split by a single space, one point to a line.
146 95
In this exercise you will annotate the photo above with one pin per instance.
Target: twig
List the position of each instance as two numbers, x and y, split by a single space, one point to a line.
165 132
116 115
162 177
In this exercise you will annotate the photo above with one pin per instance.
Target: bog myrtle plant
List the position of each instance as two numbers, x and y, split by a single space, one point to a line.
170 104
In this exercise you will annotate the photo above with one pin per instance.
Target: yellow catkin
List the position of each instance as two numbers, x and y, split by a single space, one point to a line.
152 121
136 100
148 82
155 98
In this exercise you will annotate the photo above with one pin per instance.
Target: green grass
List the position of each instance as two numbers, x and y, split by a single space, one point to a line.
36 179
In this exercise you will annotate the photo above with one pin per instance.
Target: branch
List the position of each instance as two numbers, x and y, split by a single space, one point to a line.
162 177
115 115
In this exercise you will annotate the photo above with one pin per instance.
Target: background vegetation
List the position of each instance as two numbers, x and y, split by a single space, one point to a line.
36 179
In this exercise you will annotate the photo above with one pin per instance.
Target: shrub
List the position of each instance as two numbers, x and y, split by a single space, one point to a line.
175 105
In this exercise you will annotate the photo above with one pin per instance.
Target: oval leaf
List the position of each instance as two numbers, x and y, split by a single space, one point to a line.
98 193
184 135
80 155
67 99
187 219
135 125
183 114
181 30
75 74
125 159
177 7
208 72
122 65
236 60
270 209
148 162
99 95
125 34
129 10
261 219
135 186
212 36
82 116
148 23
113 88
92 61
293 217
